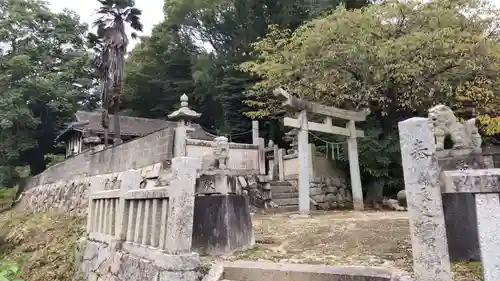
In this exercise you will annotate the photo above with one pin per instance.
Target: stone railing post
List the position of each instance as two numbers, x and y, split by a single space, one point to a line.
255 132
422 183
93 217
262 156
129 180
181 206
281 164
275 167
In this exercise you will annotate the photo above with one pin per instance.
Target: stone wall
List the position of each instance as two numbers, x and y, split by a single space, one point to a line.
71 196
153 148
99 261
242 156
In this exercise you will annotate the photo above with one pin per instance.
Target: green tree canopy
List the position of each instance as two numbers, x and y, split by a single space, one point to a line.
43 79
396 58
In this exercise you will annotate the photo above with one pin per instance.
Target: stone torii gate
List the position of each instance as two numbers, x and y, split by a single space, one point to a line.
301 123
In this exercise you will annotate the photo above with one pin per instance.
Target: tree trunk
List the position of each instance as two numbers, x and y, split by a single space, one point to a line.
375 195
116 127
116 113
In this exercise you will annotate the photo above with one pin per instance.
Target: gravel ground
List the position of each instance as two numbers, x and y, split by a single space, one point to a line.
339 238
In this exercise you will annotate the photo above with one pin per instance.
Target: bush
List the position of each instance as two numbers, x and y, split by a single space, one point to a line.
10 272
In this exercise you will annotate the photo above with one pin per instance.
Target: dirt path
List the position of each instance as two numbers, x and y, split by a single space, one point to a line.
339 238
346 237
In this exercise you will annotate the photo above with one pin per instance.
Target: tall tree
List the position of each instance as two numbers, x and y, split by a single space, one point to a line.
228 27
44 77
113 39
393 57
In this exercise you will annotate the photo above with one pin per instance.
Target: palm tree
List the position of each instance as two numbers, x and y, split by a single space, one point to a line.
110 44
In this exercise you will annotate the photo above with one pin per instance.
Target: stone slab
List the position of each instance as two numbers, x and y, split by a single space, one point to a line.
179 262
222 224
258 271
425 210
471 181
152 193
461 226
488 219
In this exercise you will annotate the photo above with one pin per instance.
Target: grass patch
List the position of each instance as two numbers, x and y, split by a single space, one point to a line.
7 197
43 245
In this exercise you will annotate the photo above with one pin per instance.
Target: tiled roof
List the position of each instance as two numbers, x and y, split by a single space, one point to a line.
129 126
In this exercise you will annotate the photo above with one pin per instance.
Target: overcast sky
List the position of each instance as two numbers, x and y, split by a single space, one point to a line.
152 11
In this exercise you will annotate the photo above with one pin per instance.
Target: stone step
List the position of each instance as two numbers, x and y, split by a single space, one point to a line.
283 189
284 209
280 183
284 195
287 201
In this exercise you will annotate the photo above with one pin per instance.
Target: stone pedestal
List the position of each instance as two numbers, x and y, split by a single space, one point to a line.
460 208
222 224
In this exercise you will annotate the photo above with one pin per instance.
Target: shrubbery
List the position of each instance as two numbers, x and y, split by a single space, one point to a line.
10 272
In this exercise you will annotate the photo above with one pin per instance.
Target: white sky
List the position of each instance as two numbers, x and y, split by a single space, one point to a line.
152 12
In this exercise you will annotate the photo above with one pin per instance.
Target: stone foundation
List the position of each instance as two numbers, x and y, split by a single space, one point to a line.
222 224
460 208
100 261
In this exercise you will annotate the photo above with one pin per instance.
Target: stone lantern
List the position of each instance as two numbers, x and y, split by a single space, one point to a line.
183 116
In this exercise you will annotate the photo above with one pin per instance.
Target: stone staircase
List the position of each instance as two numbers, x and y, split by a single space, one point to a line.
285 196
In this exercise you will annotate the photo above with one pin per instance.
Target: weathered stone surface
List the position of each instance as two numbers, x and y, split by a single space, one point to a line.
178 262
472 181
421 176
460 208
70 197
133 269
181 204
179 275
215 273
250 270
488 222
101 262
153 148
222 224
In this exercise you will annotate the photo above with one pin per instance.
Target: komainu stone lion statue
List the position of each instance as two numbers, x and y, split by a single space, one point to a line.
219 156
445 123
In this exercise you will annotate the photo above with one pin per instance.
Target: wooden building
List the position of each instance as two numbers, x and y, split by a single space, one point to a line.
86 132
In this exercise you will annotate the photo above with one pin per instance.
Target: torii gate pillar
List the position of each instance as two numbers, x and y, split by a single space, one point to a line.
303 145
352 153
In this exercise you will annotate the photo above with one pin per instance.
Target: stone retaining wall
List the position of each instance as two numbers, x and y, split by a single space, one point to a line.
148 150
71 196
99 261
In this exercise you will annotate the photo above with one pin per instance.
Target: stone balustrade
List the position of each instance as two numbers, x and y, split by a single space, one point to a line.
149 222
